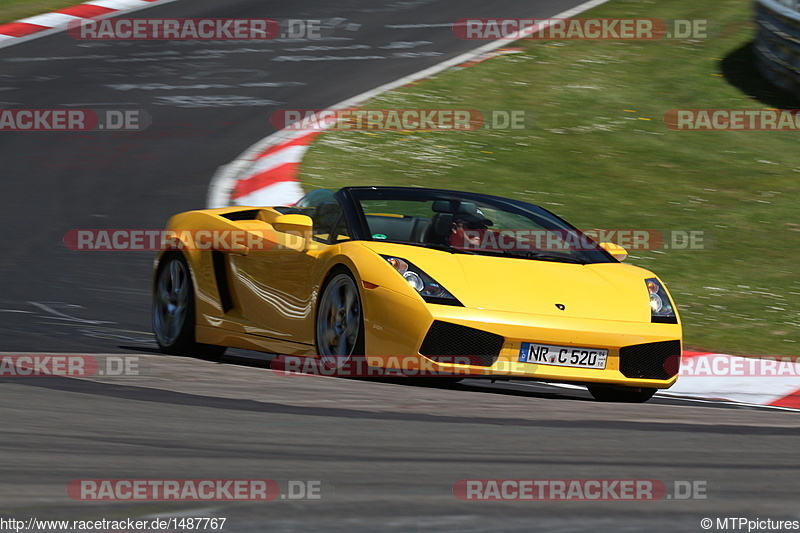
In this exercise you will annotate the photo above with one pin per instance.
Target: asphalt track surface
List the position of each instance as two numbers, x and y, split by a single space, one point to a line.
386 454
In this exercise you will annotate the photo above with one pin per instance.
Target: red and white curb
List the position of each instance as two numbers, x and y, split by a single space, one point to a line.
49 23
773 382
266 174
250 181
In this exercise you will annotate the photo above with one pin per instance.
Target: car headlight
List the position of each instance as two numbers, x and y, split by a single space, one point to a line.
427 287
661 309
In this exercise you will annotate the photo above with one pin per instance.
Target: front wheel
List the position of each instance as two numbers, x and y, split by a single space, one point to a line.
173 310
620 395
340 324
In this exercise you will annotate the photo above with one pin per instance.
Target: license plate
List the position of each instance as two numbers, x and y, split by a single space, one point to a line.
572 356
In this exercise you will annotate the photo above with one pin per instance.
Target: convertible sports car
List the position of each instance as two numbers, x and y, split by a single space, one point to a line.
427 281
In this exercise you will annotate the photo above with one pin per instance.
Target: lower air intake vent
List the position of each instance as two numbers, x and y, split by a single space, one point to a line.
452 343
656 360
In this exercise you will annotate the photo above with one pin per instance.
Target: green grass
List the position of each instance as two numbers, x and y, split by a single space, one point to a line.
600 155
11 10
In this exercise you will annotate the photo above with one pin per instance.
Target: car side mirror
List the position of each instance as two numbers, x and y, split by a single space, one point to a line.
615 250
299 225
293 223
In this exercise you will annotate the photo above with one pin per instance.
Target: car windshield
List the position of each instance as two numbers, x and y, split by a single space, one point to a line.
471 223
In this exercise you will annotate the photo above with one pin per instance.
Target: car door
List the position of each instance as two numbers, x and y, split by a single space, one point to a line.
275 288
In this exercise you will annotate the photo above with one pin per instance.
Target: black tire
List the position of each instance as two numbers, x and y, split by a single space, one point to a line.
173 311
339 323
603 393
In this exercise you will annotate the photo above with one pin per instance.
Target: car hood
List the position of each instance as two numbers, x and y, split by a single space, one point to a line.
605 291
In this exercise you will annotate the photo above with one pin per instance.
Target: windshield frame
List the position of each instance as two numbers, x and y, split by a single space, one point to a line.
351 198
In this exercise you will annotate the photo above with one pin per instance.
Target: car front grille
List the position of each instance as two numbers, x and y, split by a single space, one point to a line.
453 343
655 360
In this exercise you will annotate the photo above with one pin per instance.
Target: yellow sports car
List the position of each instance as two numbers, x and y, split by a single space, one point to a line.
424 282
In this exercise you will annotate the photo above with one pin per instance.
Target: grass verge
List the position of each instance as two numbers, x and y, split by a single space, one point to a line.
600 155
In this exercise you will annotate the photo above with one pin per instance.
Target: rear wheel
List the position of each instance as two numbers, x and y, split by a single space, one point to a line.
173 310
620 394
340 324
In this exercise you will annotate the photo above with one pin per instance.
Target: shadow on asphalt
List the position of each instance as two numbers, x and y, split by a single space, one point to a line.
513 388
167 399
